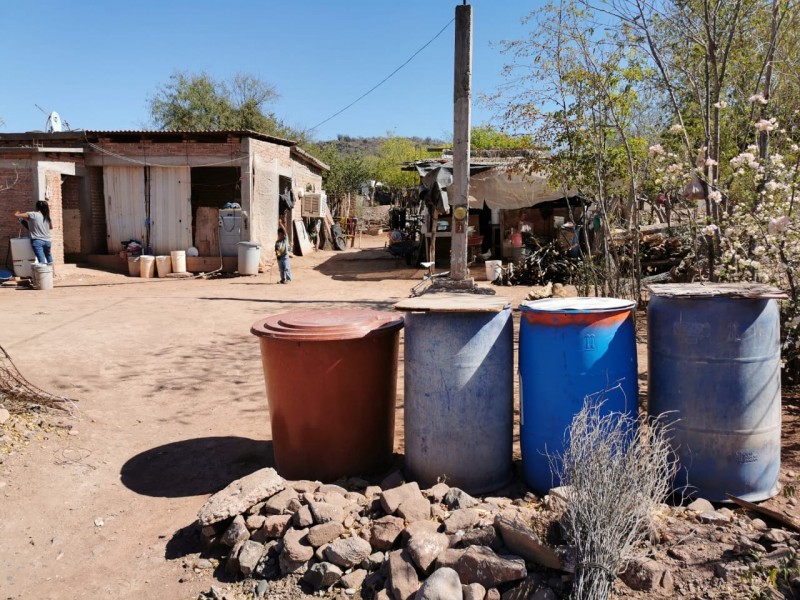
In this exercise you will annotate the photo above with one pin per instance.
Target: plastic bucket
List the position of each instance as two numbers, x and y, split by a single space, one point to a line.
516 240
249 257
494 269
331 382
714 366
571 348
43 276
133 266
163 265
147 265
178 261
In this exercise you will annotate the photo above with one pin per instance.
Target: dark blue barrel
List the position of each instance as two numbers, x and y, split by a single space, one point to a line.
571 348
714 365
459 387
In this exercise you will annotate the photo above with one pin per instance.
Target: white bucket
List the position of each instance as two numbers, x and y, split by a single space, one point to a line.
178 261
164 265
43 276
249 257
494 269
147 265
133 266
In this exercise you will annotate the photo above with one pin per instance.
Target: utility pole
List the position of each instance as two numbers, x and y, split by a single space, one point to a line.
462 97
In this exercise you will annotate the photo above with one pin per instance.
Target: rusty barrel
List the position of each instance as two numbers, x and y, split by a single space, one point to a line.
331 379
715 372
571 349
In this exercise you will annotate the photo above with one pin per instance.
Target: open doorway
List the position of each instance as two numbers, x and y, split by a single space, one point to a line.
212 189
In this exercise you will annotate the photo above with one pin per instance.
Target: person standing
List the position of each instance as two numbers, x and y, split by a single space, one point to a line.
39 225
282 254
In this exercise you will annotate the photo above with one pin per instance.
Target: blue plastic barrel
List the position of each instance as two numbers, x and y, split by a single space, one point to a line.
571 348
714 364
459 386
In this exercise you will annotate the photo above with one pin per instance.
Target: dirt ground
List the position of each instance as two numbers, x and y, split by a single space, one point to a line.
171 409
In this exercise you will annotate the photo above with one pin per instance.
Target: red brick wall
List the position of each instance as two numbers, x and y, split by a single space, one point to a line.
53 187
99 243
18 196
70 193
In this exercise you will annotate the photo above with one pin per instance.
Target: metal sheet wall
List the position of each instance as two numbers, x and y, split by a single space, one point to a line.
170 209
125 205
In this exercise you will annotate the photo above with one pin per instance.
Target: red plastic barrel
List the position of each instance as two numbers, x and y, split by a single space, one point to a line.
331 381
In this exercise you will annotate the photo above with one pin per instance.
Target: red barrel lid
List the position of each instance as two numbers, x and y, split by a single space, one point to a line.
326 325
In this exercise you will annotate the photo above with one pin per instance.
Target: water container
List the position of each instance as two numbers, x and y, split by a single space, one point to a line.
133 266
178 261
571 348
494 269
230 230
459 386
516 240
147 265
43 276
249 257
714 363
164 265
22 256
331 381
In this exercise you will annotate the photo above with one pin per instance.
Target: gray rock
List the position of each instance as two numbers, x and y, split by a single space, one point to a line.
473 591
331 487
443 584
456 499
354 579
492 594
324 533
449 558
236 532
373 561
646 574
279 503
419 527
249 556
372 491
240 495
232 563
322 575
483 536
384 532
356 498
303 518
416 508
523 541
403 580
437 492
425 548
348 552
713 518
294 505
304 486
324 513
774 536
461 519
288 566
261 588
296 547
334 498
4 415
391 499
275 526
701 505
481 565
730 571
759 524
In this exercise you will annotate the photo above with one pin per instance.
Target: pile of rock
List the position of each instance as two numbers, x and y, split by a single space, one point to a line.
391 542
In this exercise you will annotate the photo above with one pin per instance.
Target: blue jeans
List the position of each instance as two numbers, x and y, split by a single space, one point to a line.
285 269
41 248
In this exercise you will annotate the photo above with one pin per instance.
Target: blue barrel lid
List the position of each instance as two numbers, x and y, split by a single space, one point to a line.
577 305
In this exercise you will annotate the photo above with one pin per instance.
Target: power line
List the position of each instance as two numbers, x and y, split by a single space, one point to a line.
385 79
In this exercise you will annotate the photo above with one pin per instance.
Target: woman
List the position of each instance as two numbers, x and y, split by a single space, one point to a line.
39 225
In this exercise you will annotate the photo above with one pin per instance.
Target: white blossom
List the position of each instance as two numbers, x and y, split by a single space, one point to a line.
766 125
721 104
778 224
656 149
757 98
710 229
715 196
676 128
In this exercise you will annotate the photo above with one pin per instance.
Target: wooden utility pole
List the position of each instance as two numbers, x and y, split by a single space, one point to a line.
462 97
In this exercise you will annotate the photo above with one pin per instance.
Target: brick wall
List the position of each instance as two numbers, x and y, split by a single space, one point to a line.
70 193
99 239
18 196
53 187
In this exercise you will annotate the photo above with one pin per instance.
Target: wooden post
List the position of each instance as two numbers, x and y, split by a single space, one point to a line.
462 92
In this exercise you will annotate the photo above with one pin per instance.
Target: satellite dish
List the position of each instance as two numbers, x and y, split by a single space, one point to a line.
53 123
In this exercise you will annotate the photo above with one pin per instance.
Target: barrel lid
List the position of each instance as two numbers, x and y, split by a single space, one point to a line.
716 290
453 302
250 244
577 305
325 325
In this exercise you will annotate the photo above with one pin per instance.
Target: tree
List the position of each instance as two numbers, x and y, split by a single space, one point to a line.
488 138
386 167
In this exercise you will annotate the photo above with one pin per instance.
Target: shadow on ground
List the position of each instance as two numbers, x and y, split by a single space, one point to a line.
370 264
196 466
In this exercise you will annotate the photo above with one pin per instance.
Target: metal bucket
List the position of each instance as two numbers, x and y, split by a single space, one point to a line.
571 348
459 385
715 365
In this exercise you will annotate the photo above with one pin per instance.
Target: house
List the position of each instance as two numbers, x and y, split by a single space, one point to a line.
107 187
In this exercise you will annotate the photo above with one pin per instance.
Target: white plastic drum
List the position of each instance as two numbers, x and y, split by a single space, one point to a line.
494 269
163 265
147 266
178 261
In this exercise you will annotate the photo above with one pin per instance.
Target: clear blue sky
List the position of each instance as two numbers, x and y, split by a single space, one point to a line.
97 62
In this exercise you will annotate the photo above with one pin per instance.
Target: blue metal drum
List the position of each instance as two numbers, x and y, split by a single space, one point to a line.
571 348
715 366
459 386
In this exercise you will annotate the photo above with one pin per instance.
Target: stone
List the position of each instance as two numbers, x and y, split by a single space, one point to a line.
443 584
294 505
261 588
372 491
425 548
713 518
354 579
701 505
296 547
288 566
773 536
324 533
240 495
461 519
349 521
492 594
373 561
336 499
319 553
254 522
303 518
647 575
419 527
356 498
473 591
331 487
279 503
730 571
305 486
232 563
4 415
236 532
456 499
276 526
249 556
438 512
323 512
392 480
483 536
382 595
391 499
348 552
523 541
449 558
437 492
481 565
416 508
403 581
384 532
322 575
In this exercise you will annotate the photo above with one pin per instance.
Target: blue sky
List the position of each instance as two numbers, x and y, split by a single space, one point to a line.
97 62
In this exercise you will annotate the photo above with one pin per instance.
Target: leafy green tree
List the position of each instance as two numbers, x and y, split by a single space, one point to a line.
387 166
486 137
348 171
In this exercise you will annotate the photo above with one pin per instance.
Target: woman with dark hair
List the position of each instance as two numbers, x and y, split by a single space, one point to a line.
39 225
